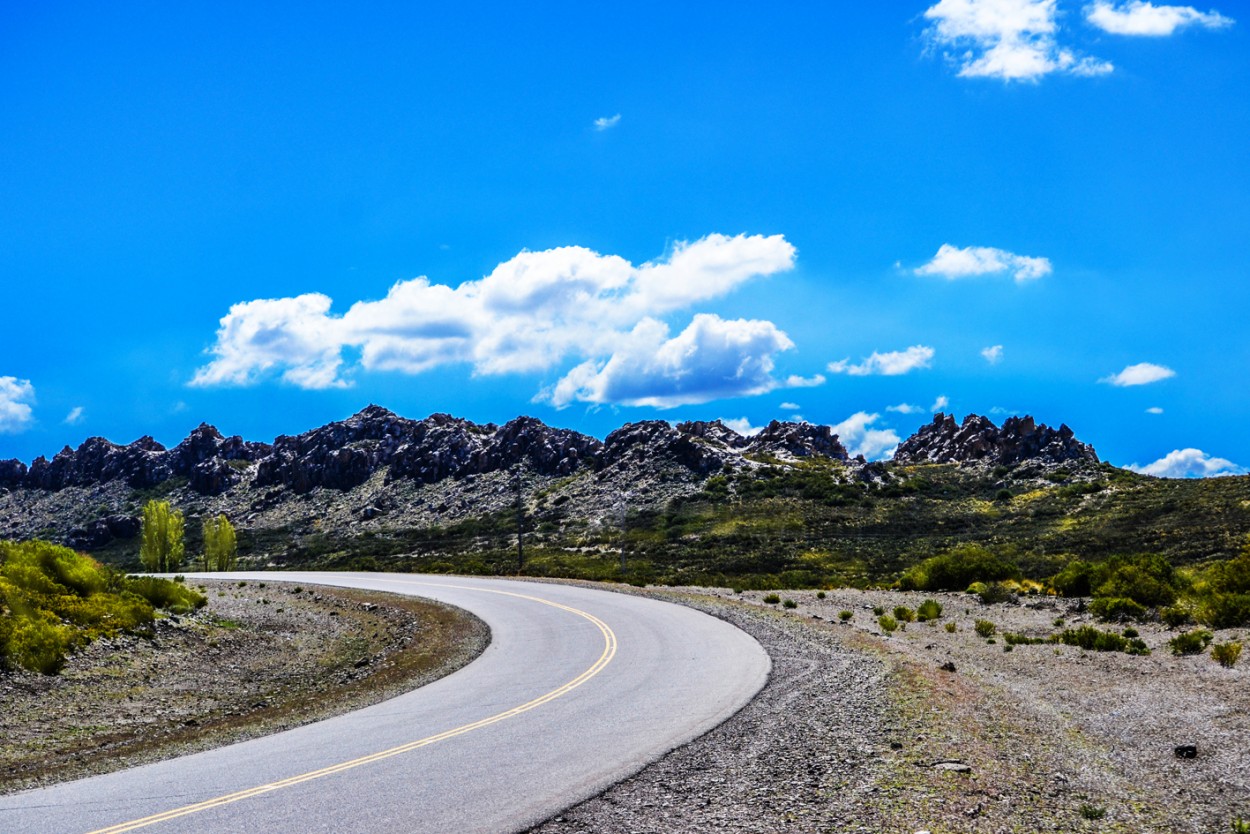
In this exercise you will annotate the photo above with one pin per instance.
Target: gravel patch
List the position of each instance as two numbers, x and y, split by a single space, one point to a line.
858 731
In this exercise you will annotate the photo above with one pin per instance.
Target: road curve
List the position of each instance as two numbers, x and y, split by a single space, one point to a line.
578 689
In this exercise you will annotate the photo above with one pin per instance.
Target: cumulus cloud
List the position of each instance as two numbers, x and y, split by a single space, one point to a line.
790 406
742 426
607 122
992 354
1147 19
1154 409
795 381
860 438
75 416
1189 463
531 313
1011 40
907 408
16 398
1143 373
892 363
711 359
952 263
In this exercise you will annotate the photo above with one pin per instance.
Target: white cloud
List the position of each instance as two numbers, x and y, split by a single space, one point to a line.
859 438
16 398
1145 18
742 426
1154 409
790 406
531 313
1012 40
993 354
711 359
1189 463
795 381
953 263
892 363
907 408
1143 373
607 122
75 416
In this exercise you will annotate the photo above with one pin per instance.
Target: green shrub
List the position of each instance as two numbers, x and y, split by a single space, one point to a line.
1093 812
1225 610
1241 826
161 593
958 568
1075 580
951 628
772 599
1014 639
1058 622
1117 609
1191 642
887 623
930 609
844 616
996 592
1226 654
1175 616
878 610
820 595
985 628
1130 633
790 604
1097 640
904 614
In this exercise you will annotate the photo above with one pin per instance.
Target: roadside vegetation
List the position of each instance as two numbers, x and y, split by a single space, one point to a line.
54 601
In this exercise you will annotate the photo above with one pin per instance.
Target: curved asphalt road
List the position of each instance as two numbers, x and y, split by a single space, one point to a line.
578 689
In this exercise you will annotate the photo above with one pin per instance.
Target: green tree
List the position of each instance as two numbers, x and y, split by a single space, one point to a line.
162 548
220 548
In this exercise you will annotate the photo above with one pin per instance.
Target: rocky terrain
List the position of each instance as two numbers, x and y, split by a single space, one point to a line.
930 730
977 439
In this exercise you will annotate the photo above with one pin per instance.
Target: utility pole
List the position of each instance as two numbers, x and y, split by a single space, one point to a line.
520 524
623 509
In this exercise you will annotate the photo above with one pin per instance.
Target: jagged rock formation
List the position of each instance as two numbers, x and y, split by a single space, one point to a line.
977 439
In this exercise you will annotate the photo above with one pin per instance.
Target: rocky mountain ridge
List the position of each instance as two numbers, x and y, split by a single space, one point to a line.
977 439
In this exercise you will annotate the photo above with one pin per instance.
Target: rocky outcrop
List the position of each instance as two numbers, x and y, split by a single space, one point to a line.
641 443
103 530
797 440
143 463
977 439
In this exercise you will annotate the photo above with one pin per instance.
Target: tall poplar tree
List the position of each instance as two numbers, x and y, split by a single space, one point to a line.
220 547
162 548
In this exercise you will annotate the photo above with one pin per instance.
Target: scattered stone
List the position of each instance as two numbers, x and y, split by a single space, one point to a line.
952 765
948 666
1186 751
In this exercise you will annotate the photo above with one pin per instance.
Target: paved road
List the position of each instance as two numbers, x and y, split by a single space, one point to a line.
578 689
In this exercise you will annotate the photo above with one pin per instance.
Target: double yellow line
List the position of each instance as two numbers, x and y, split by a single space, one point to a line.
609 650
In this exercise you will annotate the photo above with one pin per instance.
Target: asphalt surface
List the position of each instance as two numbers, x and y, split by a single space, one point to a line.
578 689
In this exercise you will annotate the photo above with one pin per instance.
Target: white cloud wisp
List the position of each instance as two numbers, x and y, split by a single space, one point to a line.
607 122
952 263
530 314
16 398
1189 463
1145 19
1143 373
891 363
1010 40
992 354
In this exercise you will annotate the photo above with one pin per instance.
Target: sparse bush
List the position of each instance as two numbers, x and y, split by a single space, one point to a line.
1226 654
820 595
772 599
1175 616
957 569
845 616
790 604
1058 622
996 592
878 610
951 628
930 609
904 614
1093 812
1117 609
1130 633
985 628
1190 642
1225 610
1241 826
1014 639
888 624
1097 640
1003 496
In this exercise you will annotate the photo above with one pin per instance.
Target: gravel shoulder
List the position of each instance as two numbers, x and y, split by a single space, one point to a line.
259 658
859 731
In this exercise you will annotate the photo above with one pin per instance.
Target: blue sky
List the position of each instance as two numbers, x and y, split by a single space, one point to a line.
856 213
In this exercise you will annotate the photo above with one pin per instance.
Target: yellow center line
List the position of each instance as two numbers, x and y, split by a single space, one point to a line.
609 650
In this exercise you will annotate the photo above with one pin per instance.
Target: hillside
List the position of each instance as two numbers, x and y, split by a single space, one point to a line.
695 502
